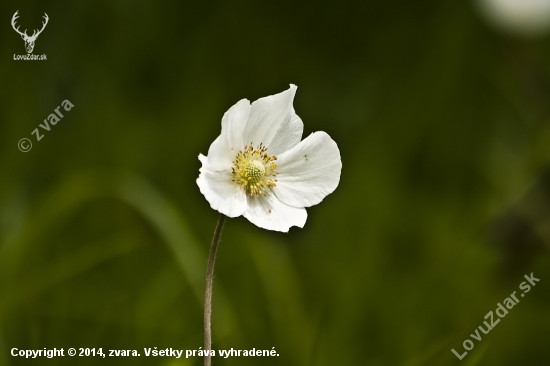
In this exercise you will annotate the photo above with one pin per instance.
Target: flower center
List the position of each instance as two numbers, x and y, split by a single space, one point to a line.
253 170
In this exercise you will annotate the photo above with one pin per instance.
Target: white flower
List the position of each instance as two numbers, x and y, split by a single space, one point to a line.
523 17
259 168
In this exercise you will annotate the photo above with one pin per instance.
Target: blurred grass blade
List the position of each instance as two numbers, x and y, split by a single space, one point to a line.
282 289
70 265
477 355
81 188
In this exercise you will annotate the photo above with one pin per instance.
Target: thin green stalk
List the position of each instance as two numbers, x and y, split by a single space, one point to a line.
208 290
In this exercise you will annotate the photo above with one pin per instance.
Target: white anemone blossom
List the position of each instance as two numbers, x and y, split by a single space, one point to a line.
523 17
259 168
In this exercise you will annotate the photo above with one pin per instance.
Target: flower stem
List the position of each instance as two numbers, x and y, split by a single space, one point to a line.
208 290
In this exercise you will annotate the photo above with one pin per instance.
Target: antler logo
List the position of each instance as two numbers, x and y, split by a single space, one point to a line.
29 40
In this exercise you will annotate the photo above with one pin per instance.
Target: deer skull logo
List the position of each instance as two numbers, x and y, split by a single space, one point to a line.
29 40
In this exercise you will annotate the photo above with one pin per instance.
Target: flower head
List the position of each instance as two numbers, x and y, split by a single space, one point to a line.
521 17
259 168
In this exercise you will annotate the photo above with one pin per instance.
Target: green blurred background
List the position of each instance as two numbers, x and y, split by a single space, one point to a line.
442 121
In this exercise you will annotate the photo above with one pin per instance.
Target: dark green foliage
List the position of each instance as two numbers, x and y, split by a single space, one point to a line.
444 130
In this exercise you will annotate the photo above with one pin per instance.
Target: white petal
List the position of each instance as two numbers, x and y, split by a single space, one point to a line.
223 195
287 136
267 115
223 150
234 123
308 172
269 213
219 157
